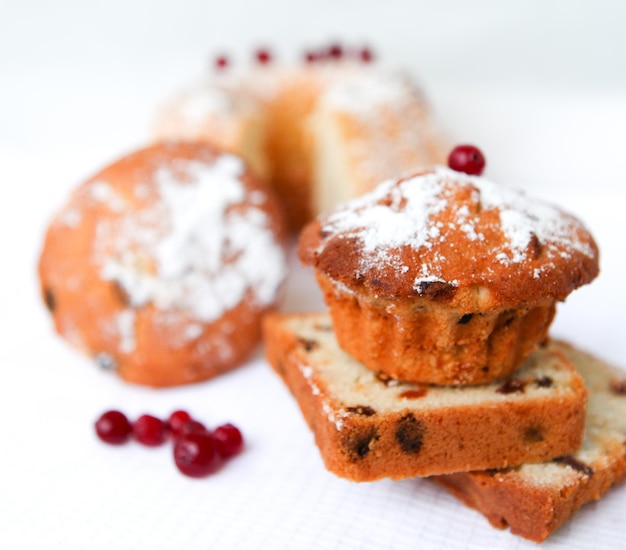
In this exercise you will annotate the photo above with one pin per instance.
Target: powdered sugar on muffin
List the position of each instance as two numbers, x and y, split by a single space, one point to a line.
422 213
172 253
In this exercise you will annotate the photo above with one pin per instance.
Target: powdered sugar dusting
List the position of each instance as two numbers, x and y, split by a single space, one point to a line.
200 248
102 191
522 217
126 328
70 217
408 213
199 103
383 226
359 90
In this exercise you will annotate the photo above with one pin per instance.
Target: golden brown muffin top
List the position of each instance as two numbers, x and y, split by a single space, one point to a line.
451 238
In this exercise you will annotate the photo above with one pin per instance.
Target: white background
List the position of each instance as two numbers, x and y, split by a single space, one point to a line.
540 86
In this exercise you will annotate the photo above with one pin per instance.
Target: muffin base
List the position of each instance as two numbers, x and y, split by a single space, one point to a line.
418 341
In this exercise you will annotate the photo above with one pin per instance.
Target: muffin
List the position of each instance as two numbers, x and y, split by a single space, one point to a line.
162 265
446 278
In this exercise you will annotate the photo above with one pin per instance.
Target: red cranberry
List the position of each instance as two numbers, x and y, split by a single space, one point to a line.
263 56
113 427
195 454
221 62
192 426
177 420
366 55
311 56
228 440
335 51
468 159
150 430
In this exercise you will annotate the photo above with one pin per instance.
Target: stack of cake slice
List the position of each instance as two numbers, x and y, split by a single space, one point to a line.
369 427
526 448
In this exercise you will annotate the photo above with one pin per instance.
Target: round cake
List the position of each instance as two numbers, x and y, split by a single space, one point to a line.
446 278
320 133
162 265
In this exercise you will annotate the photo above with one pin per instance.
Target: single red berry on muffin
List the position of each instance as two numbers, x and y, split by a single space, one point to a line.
195 454
228 440
149 430
468 159
113 427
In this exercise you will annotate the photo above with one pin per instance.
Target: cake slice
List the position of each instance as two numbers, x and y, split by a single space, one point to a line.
366 127
368 426
533 500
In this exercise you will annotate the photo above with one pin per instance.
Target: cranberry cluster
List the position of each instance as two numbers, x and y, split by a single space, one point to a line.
336 51
198 451
333 52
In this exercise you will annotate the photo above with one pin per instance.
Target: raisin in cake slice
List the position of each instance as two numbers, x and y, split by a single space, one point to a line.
535 499
369 427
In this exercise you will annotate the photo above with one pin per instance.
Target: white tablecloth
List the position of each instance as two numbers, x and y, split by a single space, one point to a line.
541 88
